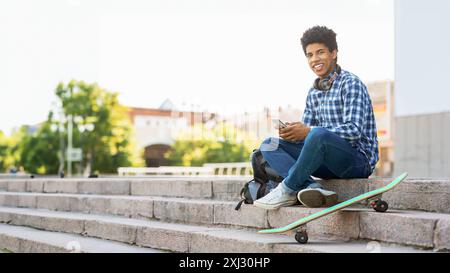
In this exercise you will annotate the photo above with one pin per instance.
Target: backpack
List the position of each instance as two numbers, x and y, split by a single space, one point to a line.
264 180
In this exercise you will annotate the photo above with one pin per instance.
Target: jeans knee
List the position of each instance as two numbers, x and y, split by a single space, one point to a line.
269 144
317 135
267 140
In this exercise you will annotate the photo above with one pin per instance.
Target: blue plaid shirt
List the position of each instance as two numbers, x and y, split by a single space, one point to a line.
346 110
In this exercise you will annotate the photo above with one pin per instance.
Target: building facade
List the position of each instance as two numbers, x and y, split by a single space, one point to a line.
422 55
156 129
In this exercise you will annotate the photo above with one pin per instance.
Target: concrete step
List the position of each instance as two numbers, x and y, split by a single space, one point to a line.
220 188
25 240
179 237
422 229
412 194
432 195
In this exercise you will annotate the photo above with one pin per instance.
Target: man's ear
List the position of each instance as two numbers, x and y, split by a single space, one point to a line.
334 54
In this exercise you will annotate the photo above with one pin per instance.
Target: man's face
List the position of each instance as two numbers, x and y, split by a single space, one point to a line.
320 59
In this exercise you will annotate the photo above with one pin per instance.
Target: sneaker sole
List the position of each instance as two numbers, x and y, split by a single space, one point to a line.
315 199
276 206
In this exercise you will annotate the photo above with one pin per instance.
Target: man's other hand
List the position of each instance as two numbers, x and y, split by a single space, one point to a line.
295 131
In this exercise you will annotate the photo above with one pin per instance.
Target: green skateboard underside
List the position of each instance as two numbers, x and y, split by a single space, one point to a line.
337 207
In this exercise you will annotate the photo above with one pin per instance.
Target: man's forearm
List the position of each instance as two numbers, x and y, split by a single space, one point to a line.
347 131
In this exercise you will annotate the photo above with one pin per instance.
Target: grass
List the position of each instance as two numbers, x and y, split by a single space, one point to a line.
5 250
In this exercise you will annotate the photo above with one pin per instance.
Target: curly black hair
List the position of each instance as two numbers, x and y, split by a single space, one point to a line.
319 34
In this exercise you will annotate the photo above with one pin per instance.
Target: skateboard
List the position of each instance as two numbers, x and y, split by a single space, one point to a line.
374 198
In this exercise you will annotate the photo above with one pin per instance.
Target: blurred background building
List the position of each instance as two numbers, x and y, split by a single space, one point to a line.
422 94
156 129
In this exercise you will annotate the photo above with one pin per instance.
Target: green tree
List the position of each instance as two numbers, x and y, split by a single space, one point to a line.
3 151
9 150
101 125
39 150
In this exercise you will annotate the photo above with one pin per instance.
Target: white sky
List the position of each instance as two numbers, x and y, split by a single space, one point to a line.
224 55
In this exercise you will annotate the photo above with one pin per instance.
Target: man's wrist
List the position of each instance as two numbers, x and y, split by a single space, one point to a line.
308 130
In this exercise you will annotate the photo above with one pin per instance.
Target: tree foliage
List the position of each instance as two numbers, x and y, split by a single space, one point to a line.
101 125
3 151
39 150
10 150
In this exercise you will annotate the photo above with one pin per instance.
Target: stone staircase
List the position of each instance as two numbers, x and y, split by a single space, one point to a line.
196 214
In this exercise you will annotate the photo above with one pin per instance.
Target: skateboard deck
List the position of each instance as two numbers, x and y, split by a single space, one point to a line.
378 204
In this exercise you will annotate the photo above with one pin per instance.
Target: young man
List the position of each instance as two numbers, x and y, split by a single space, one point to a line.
337 137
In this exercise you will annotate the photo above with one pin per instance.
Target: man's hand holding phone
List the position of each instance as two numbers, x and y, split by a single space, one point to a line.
295 131
279 124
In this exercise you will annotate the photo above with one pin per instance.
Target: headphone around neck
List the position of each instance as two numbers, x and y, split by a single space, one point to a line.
327 83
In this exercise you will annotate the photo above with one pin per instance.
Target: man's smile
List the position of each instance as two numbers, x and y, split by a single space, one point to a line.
318 67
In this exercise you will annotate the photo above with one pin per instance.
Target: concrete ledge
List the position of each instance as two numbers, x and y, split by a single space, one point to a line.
161 238
232 241
186 211
225 188
134 208
247 216
174 188
442 235
23 245
398 228
107 187
228 190
412 194
18 200
111 231
128 206
426 195
61 203
58 224
3 185
17 185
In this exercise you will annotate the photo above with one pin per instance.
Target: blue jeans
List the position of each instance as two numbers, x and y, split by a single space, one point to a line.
322 154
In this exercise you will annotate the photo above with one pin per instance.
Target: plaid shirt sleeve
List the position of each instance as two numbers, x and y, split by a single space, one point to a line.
355 102
308 114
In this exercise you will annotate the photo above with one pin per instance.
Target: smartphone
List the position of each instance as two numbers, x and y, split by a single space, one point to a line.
278 124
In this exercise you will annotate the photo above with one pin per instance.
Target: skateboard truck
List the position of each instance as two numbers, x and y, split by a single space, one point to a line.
378 204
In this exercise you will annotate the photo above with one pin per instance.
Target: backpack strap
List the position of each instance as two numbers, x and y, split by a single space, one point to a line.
239 204
242 197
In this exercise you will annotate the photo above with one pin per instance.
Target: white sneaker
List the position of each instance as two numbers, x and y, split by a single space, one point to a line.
317 197
275 199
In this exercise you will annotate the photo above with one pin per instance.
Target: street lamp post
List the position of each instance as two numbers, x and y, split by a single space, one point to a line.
59 129
69 144
89 128
61 157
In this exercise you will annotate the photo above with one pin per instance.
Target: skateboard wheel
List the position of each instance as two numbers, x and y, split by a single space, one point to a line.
381 206
301 237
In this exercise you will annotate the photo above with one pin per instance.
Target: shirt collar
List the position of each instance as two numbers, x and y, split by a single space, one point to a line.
332 72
